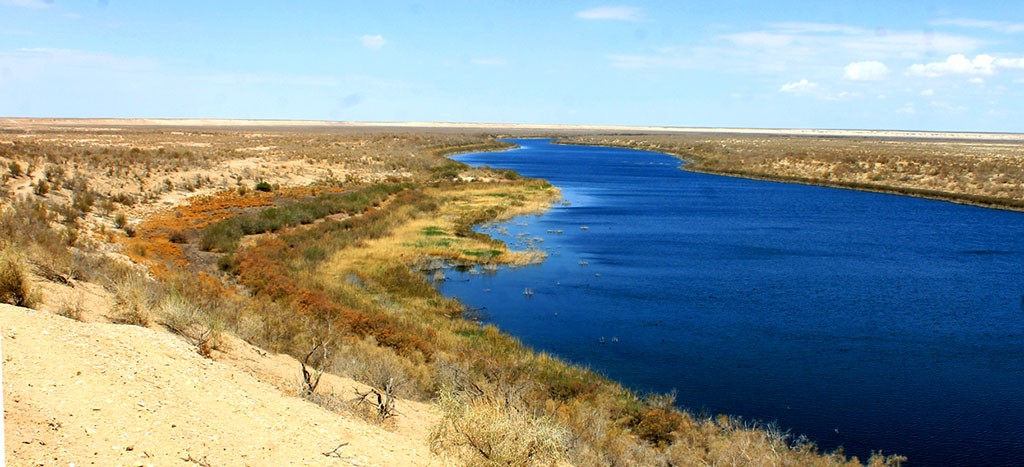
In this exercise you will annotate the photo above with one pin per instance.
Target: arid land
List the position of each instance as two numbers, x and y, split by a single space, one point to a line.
178 286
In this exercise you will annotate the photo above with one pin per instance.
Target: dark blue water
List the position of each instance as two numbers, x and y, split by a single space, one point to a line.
862 320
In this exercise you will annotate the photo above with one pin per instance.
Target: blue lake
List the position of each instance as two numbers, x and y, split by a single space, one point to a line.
862 320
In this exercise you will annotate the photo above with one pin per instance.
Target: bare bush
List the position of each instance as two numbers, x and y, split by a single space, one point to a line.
313 366
374 365
381 403
189 320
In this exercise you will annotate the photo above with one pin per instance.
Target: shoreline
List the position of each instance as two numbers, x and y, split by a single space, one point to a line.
690 165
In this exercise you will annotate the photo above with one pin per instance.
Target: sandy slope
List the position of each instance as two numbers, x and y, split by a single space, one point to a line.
106 394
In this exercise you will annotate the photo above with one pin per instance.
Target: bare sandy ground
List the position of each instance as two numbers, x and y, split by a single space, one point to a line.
239 123
78 393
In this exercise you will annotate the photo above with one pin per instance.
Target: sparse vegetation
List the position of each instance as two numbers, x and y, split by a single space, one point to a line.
347 258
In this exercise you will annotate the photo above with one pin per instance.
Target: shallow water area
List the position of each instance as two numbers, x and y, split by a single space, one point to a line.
862 320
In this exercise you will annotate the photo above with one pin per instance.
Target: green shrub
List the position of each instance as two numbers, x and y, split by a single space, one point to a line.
263 186
15 169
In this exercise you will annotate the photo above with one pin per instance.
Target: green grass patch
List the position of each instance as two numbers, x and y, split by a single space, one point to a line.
433 231
471 334
482 253
442 243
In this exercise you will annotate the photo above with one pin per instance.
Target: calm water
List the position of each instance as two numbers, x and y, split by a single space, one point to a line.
861 320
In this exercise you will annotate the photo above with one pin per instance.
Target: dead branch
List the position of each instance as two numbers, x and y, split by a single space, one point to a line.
385 404
48 272
311 374
200 462
334 452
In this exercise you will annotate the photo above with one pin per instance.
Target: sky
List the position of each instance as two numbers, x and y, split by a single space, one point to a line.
912 65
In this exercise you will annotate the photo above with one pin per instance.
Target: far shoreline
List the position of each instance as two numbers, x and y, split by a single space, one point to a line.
968 200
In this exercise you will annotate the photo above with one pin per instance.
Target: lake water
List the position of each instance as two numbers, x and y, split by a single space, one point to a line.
862 320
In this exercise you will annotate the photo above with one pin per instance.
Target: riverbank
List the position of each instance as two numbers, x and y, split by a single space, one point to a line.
839 315
975 173
331 273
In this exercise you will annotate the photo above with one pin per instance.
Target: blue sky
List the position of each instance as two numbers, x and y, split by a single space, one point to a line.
926 65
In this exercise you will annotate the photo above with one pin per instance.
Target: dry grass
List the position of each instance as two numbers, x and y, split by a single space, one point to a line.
497 430
349 274
135 297
15 288
71 307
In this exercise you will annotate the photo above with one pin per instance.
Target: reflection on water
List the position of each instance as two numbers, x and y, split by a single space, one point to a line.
864 320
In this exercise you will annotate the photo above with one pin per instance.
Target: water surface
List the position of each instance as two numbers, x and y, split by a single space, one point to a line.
862 320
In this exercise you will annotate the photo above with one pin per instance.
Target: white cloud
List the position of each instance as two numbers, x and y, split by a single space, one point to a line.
28 3
373 42
619 13
977 80
798 48
983 65
928 92
997 26
1010 62
827 39
907 109
865 71
489 61
799 87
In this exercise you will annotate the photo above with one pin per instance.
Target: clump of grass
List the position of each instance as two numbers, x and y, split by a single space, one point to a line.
497 429
185 317
120 220
71 307
15 287
134 299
